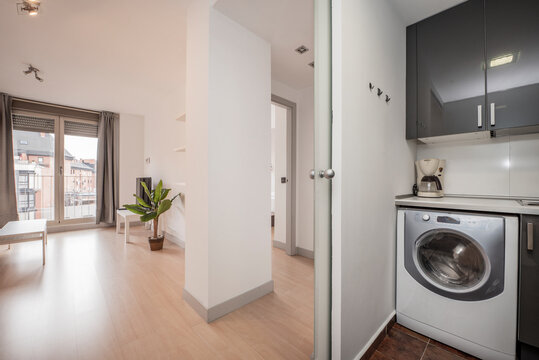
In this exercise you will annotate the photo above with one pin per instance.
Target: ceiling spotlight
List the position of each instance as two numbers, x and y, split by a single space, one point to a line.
34 70
28 7
302 49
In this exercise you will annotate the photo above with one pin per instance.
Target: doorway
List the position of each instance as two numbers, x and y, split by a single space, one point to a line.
283 170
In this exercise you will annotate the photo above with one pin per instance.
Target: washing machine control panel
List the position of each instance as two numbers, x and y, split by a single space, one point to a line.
426 217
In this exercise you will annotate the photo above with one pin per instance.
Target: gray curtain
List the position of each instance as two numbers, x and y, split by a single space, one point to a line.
107 167
8 202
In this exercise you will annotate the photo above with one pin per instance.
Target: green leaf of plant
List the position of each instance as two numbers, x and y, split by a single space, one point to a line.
175 196
148 216
157 192
146 190
164 206
135 209
141 202
164 193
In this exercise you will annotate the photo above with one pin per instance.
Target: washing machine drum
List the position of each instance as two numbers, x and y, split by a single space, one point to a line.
456 264
451 260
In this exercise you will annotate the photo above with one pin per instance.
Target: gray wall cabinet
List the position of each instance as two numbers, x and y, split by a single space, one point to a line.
512 29
473 67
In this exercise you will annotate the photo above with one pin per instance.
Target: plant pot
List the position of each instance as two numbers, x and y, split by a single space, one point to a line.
156 243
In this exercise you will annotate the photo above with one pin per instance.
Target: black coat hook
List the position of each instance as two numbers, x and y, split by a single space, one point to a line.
371 86
380 92
388 99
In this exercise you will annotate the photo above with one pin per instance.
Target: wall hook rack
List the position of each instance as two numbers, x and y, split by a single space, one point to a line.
380 92
371 86
388 99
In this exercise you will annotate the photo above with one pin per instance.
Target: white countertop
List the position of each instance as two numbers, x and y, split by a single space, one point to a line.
508 206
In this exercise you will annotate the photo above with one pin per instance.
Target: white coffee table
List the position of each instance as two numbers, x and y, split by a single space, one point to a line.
126 216
25 230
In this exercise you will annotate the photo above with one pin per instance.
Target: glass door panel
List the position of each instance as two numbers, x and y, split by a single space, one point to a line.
79 177
322 186
34 154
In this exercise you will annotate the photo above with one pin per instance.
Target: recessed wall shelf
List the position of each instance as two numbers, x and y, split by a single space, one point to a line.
181 118
179 149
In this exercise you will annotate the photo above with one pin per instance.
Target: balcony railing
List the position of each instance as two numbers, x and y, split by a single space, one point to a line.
79 196
37 202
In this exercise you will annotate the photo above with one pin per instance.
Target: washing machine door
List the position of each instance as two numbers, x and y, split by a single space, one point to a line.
460 259
451 260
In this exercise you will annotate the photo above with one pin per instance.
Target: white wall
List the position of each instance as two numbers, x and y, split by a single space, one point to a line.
197 84
162 134
131 155
239 153
304 100
504 166
373 163
228 248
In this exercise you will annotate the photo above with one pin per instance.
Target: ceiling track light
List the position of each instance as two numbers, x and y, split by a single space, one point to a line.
28 7
34 70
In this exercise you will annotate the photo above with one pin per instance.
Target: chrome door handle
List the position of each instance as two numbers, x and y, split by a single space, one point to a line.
492 114
530 236
328 174
312 174
479 116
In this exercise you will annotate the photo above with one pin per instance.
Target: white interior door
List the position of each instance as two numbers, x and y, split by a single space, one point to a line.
281 174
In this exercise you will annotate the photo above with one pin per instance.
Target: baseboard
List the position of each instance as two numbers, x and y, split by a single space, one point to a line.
305 253
173 238
377 338
217 311
51 229
299 251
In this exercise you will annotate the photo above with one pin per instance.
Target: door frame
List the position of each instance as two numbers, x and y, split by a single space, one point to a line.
291 155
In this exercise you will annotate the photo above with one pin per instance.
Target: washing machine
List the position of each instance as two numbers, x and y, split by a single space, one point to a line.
457 279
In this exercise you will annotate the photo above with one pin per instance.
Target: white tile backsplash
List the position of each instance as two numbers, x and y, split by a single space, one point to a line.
505 166
524 150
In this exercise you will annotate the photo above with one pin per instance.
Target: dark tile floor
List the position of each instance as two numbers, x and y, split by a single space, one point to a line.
401 343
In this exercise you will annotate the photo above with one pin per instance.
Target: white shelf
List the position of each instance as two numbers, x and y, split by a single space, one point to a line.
181 118
179 149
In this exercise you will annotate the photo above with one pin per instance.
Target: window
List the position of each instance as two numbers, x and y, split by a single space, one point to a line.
54 153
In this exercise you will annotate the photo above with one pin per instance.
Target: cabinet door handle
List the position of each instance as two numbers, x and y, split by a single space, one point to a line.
492 114
530 236
479 116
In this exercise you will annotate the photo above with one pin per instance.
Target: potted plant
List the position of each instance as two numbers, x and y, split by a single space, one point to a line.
151 211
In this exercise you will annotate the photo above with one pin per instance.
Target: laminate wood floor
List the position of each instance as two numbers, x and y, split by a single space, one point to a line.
98 298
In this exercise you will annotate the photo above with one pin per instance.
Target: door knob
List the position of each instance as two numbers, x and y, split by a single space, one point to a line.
312 173
328 174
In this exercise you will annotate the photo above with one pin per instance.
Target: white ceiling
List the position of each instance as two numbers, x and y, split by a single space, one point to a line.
412 11
122 55
113 55
286 25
